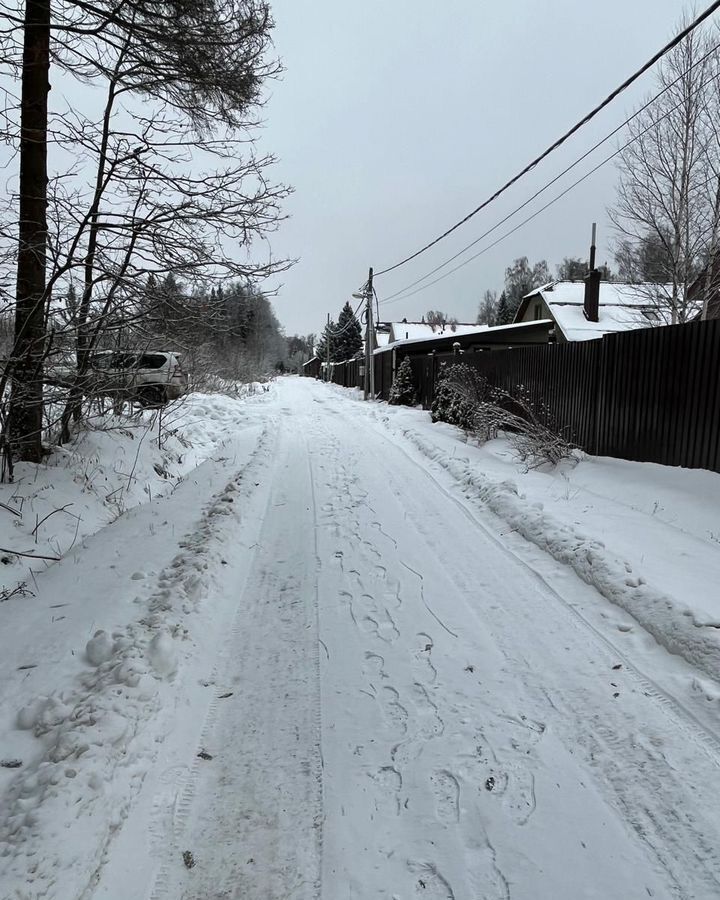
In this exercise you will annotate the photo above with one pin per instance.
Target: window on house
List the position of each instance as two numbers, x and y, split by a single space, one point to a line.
537 312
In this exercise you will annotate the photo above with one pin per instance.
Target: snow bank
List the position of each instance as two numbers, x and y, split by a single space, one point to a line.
657 559
105 472
93 643
95 744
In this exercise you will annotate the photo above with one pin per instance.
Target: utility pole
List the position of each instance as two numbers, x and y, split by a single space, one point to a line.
369 341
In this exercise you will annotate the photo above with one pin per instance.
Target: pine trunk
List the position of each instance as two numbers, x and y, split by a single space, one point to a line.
26 401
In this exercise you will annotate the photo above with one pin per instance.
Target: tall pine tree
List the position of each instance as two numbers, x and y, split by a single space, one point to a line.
348 339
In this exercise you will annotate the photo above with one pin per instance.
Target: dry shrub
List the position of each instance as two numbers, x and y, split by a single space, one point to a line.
465 398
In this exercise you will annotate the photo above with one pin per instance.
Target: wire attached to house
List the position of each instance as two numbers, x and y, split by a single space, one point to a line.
564 172
406 292
561 140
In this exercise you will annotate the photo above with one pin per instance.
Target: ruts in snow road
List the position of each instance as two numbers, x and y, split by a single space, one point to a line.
411 713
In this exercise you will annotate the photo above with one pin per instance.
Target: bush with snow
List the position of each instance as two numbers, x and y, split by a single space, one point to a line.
464 398
451 403
402 392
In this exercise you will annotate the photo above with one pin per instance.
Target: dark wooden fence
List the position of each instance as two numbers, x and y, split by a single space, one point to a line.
651 395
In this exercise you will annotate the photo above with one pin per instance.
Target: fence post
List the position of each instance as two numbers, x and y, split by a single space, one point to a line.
433 376
601 396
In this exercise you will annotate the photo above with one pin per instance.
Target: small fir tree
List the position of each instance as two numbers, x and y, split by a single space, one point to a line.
402 392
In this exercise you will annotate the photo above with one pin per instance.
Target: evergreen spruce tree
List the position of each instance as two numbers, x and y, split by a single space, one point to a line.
503 316
322 345
348 340
402 392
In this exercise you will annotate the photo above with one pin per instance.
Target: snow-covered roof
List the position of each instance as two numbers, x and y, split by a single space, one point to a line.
439 336
382 338
412 331
623 307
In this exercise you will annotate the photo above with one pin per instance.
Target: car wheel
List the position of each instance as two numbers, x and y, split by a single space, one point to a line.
152 395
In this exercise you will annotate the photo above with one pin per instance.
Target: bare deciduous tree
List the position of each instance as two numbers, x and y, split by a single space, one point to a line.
668 173
488 309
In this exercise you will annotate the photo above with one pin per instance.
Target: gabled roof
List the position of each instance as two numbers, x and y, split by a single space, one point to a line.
623 307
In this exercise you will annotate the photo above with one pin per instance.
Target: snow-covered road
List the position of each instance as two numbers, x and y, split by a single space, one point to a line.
381 695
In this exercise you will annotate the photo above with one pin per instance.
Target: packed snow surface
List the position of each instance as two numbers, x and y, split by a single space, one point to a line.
325 649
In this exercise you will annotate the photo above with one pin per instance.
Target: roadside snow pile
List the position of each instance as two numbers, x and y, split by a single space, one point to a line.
645 536
82 487
95 748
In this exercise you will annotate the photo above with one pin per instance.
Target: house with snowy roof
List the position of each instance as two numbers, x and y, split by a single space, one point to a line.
589 309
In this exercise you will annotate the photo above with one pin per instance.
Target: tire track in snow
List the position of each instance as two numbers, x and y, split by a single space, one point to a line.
172 807
676 710
269 591
376 577
411 714
638 814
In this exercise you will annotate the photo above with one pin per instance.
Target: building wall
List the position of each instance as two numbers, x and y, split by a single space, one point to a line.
537 308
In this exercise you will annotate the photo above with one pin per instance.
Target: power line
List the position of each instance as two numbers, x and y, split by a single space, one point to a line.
403 292
564 172
394 298
337 332
561 140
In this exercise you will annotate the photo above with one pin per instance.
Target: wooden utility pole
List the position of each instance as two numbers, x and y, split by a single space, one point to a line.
369 384
26 401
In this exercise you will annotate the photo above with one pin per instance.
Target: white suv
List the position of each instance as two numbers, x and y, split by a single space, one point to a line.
152 377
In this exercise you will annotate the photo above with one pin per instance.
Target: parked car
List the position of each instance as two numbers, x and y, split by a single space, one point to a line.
152 377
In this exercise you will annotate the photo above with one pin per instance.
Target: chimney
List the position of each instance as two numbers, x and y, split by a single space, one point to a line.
591 304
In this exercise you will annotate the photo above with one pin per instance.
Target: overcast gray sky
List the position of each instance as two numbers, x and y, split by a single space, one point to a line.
395 118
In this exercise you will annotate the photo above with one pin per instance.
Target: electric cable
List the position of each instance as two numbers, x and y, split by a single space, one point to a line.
335 332
561 140
542 209
565 171
394 297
